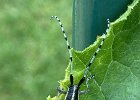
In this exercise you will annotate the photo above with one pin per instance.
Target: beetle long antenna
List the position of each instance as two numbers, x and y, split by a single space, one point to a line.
98 49
68 46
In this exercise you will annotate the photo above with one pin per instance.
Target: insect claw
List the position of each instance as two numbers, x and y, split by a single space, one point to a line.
58 81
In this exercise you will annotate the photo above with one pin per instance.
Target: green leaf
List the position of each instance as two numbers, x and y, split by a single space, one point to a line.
117 65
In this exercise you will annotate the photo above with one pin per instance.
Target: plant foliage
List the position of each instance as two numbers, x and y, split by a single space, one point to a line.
117 66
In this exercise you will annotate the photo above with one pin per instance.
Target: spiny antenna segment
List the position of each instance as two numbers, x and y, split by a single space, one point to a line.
65 36
98 49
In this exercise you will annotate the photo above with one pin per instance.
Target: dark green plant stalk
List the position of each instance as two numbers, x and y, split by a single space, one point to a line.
89 19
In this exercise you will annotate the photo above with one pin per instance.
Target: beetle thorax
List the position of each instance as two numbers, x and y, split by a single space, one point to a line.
72 93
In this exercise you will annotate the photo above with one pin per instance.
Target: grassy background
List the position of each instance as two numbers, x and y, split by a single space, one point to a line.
33 53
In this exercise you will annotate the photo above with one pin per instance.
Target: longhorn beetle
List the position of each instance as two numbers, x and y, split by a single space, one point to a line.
74 90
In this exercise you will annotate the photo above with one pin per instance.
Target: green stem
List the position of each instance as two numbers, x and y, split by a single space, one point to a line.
89 19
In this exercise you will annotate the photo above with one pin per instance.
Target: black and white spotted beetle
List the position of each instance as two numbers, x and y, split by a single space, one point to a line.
74 90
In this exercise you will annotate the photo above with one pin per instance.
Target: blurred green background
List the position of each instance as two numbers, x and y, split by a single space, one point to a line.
33 53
